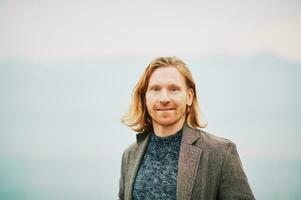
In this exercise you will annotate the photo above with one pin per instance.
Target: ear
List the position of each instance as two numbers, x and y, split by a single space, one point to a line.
190 95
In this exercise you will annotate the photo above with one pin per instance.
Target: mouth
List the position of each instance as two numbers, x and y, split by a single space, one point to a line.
164 109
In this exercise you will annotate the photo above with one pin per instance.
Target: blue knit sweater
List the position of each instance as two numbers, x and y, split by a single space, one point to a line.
157 174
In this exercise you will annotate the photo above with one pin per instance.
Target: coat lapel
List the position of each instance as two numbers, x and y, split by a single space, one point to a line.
188 163
135 157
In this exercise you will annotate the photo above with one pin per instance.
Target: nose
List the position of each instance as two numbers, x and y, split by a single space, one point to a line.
164 97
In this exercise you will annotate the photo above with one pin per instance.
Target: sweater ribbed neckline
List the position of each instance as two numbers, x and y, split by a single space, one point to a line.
168 140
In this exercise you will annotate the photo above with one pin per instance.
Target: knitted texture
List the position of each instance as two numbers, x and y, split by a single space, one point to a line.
157 174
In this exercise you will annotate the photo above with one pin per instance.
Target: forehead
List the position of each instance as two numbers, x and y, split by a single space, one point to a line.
165 75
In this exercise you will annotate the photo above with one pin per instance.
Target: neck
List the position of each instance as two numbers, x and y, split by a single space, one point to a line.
164 131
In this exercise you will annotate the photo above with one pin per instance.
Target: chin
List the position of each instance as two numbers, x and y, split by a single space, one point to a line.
166 122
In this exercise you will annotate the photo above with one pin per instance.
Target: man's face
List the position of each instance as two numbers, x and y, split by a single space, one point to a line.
167 97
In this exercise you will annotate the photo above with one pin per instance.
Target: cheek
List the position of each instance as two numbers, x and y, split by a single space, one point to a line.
149 101
182 100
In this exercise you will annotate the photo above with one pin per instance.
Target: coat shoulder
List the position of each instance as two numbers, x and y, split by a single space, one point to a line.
212 142
130 147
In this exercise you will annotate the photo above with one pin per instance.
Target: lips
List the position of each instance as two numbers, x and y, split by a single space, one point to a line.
164 109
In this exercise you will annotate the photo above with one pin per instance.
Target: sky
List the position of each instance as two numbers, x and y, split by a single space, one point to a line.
66 30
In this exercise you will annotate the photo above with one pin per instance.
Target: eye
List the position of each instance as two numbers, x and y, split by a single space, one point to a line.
155 89
174 89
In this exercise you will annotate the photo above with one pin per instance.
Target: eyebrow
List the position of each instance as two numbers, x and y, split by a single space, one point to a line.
168 85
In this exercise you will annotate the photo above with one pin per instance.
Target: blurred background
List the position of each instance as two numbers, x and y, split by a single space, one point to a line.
67 69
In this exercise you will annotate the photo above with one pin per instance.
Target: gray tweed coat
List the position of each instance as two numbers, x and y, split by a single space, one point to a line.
209 168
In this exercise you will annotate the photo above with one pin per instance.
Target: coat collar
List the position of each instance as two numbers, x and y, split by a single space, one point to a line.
141 136
190 135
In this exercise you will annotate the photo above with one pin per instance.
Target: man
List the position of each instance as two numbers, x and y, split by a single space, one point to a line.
172 158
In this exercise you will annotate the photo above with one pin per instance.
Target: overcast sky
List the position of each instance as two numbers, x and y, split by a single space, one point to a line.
67 30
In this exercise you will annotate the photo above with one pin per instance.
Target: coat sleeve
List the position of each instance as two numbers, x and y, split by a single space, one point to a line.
121 179
233 182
